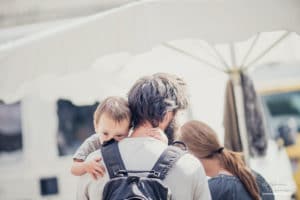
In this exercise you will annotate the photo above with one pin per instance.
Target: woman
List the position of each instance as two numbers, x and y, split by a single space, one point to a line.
231 179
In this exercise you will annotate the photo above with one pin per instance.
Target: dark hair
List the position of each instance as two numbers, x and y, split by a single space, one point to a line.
115 107
152 96
202 141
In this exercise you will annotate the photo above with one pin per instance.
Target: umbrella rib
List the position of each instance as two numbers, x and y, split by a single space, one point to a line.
220 57
250 50
233 56
192 56
208 52
267 50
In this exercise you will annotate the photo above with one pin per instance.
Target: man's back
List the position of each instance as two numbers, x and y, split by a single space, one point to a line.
186 179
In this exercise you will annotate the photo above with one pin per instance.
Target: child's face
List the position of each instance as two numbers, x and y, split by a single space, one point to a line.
110 129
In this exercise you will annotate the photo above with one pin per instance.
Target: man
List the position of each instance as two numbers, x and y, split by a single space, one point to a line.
154 102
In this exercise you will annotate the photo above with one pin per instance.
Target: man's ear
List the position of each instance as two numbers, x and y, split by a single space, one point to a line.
166 120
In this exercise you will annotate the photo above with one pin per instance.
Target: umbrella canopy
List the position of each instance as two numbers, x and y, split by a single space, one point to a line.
137 27
114 75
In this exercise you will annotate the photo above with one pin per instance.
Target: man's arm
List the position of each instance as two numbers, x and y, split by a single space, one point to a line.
200 183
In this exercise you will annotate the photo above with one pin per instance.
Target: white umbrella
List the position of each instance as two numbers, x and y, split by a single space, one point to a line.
140 26
137 27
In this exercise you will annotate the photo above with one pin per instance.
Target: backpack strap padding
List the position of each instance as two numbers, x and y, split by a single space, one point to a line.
112 159
165 162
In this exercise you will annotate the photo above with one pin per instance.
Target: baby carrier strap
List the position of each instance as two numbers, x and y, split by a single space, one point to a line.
165 162
112 159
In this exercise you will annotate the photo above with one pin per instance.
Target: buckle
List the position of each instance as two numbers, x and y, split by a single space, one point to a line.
180 144
120 173
155 174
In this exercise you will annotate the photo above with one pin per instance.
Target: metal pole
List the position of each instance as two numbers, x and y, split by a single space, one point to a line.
240 109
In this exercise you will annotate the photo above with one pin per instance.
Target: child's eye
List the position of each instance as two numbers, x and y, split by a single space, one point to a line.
120 136
105 133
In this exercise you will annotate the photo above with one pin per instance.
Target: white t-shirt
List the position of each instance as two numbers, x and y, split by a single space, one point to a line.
186 179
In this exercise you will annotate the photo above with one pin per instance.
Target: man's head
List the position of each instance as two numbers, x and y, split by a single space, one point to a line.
112 119
156 99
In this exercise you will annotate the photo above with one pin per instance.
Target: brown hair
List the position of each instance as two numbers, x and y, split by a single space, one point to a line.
202 141
115 107
151 97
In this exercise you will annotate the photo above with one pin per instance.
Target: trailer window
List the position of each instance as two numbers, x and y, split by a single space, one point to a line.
74 126
284 111
284 104
10 128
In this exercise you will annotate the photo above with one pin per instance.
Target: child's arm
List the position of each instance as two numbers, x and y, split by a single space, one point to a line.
80 167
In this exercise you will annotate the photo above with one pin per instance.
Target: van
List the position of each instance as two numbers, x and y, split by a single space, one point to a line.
278 85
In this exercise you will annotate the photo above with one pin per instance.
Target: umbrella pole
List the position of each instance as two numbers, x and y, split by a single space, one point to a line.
239 105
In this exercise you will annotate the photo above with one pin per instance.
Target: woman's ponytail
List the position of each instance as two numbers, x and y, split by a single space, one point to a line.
234 163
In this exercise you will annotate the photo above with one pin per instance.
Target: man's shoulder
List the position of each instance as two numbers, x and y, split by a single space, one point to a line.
189 164
189 159
189 179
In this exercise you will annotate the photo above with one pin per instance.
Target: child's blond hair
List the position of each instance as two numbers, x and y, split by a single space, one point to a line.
115 107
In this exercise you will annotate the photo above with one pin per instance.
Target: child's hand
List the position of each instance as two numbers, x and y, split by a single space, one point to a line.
157 133
94 168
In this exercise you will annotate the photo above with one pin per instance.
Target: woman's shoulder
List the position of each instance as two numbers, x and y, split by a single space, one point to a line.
227 187
265 189
224 179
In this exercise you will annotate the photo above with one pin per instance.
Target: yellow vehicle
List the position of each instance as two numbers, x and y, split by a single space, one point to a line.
279 87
